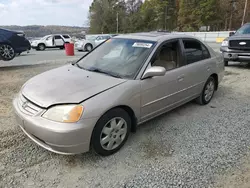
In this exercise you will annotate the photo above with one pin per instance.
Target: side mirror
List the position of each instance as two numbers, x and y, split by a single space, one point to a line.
154 71
231 33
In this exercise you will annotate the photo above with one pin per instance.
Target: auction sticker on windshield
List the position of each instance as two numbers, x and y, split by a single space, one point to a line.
142 45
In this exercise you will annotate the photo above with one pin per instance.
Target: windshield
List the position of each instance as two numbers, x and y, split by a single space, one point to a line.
245 29
120 57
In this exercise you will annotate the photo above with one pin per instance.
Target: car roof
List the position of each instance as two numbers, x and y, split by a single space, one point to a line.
14 31
155 36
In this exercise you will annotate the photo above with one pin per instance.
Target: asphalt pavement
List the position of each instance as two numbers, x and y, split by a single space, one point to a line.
54 56
40 57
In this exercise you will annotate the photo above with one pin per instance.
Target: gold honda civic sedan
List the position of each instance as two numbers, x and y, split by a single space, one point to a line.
127 80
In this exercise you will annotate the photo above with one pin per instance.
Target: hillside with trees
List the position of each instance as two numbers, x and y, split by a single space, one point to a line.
110 16
40 31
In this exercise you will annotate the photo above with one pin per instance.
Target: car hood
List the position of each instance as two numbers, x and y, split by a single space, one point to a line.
66 85
241 37
36 41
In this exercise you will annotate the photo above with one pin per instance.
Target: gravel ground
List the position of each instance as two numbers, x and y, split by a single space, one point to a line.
192 146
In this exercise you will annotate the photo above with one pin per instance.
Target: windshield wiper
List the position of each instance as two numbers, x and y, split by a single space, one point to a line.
80 67
104 72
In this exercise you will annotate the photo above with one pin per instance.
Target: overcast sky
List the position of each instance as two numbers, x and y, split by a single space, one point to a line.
44 12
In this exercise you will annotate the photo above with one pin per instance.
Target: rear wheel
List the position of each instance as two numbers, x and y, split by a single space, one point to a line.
7 52
111 132
207 92
41 47
88 47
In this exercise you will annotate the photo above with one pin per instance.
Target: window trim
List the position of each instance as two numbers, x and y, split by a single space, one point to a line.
183 49
182 59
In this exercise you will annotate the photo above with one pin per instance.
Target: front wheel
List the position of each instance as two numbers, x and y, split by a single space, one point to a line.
41 47
111 132
7 52
207 92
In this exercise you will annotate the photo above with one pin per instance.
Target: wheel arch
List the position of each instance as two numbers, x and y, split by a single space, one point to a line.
130 112
215 76
88 43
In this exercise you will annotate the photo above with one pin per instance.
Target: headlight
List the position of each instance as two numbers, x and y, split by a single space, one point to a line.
224 43
64 113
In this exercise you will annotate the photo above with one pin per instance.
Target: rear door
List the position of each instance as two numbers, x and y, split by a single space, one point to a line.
58 40
198 67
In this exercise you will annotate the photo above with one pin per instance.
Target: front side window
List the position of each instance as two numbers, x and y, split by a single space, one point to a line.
49 38
119 57
245 29
58 37
168 56
195 51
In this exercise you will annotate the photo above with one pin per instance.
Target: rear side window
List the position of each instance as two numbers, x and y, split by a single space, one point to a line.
66 36
195 51
58 37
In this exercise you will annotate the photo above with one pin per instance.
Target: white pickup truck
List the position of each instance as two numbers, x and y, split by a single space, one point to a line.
51 41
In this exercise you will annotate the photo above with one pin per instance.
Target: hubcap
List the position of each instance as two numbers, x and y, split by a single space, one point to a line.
41 47
209 91
6 51
113 133
89 48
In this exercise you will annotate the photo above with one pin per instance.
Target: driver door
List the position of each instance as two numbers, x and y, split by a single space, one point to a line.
162 93
58 40
49 41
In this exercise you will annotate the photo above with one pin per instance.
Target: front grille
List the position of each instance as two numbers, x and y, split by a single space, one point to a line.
27 106
235 44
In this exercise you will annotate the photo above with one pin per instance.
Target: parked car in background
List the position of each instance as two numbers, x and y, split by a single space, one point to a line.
86 44
237 46
101 39
12 43
91 41
51 41
97 101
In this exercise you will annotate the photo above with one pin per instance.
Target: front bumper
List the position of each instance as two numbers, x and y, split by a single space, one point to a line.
60 138
235 55
79 48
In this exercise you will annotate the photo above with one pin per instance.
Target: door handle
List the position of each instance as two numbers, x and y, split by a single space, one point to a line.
180 78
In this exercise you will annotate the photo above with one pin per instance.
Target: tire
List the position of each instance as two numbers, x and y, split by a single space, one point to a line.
226 63
61 48
41 47
108 132
207 92
88 47
7 52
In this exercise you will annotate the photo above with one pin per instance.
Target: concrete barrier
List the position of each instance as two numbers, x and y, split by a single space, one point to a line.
213 36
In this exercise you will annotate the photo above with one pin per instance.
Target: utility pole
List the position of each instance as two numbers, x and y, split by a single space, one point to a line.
244 14
166 14
117 23
231 14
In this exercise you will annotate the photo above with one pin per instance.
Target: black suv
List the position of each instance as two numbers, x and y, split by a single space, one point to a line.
237 46
12 43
